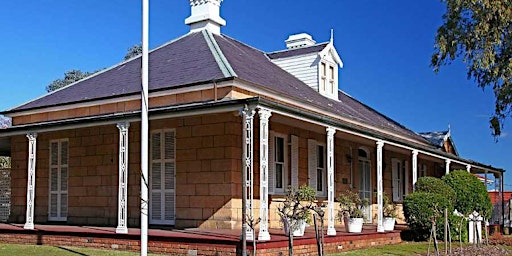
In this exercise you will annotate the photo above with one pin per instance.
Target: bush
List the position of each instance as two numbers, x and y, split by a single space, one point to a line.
470 192
420 208
436 186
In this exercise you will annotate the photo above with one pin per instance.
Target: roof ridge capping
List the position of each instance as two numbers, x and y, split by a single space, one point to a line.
220 58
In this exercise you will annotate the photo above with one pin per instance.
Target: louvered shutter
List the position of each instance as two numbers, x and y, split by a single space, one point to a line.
271 163
312 162
295 161
162 179
406 179
169 176
156 177
54 186
395 176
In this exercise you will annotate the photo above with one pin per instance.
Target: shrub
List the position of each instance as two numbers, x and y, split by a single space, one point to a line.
470 192
420 208
351 205
436 186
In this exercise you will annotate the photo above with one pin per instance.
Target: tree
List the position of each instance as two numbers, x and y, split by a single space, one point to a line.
133 51
480 32
74 75
5 122
70 77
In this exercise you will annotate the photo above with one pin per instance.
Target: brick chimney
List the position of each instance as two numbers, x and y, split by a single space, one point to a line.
205 14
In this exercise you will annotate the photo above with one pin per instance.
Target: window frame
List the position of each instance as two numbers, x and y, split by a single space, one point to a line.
59 190
284 163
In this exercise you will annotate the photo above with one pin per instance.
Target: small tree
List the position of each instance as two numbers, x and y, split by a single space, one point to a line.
470 192
296 208
420 208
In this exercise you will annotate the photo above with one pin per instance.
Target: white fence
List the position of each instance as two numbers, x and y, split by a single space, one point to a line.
5 194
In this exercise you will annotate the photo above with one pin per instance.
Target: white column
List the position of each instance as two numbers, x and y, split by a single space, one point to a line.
122 204
468 168
264 115
414 169
380 216
248 167
448 161
330 181
31 180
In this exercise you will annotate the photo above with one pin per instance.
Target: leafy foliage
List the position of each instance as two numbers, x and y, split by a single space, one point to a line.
388 207
421 208
297 205
471 193
5 162
351 205
70 77
133 51
481 33
437 186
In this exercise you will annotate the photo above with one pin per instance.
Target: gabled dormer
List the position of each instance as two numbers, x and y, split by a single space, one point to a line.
317 65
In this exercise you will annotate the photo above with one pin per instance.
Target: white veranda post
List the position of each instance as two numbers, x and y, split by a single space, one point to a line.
248 167
448 162
380 217
122 204
264 115
330 181
414 168
31 180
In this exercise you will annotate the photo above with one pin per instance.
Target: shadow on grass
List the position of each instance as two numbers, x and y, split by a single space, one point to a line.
72 251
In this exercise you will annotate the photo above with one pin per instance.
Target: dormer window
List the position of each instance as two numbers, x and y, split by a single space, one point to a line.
328 77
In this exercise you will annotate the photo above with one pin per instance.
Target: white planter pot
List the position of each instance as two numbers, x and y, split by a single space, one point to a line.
388 223
354 225
299 228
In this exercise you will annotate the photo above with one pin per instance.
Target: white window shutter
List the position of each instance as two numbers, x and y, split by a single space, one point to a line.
295 161
394 173
406 179
271 164
312 162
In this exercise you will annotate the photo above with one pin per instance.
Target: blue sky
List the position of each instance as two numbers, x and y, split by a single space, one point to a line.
385 45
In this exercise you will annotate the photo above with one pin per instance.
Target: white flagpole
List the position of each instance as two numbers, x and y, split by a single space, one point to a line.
144 181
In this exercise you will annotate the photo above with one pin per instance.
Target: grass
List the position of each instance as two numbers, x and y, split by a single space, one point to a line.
405 248
44 250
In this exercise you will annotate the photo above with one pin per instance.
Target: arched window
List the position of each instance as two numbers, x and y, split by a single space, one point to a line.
363 153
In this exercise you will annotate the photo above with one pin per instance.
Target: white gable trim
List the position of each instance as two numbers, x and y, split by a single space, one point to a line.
332 50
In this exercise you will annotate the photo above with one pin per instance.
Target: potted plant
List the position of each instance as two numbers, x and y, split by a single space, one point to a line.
295 209
389 213
351 210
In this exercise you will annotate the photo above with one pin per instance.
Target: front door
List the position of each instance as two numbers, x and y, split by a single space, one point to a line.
162 180
365 189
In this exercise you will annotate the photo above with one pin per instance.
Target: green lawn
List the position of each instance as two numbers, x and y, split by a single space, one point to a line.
405 248
44 250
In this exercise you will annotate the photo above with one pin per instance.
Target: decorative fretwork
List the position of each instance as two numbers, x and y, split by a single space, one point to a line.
264 115
122 214
31 180
248 166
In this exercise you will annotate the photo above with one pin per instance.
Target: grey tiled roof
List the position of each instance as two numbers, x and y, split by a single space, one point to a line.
298 51
189 60
435 138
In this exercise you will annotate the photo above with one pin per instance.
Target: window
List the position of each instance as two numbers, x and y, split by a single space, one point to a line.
277 171
320 169
332 84
327 79
365 180
59 171
162 179
323 76
279 163
422 171
317 169
400 179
